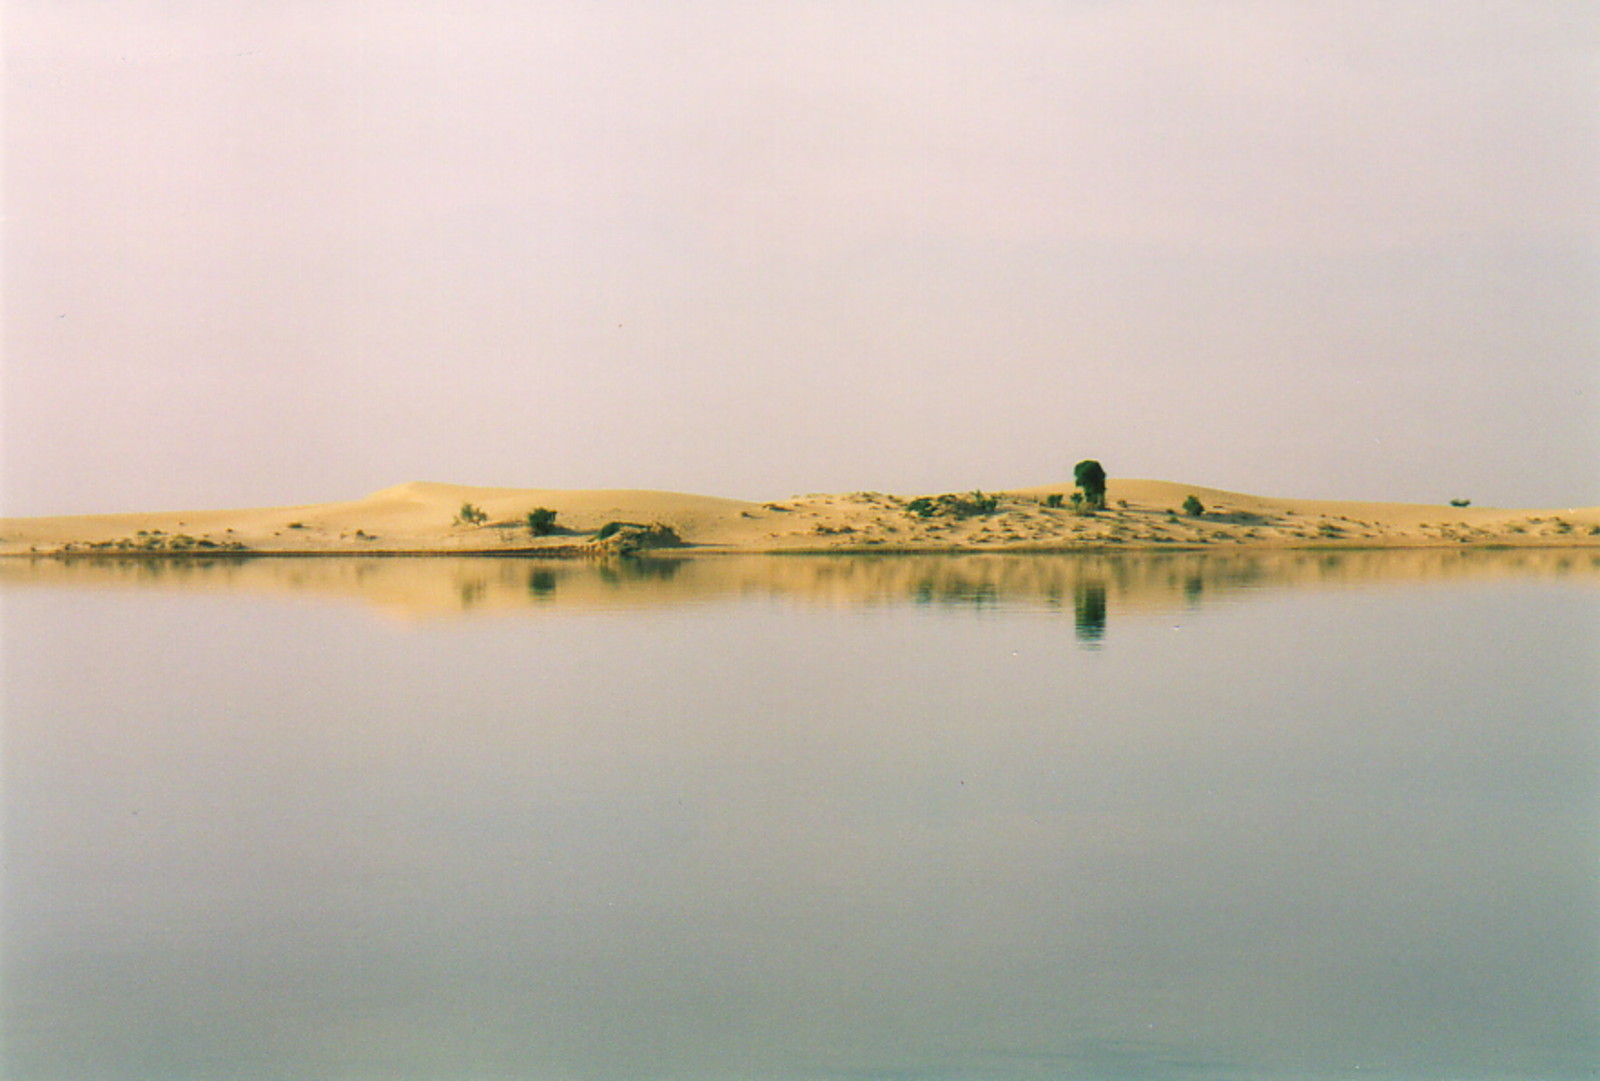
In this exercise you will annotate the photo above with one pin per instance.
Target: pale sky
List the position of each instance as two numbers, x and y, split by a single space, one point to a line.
278 251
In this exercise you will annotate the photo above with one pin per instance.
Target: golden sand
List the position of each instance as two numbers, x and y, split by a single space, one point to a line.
1140 514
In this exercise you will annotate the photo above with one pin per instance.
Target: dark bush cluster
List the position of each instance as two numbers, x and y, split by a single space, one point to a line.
541 521
611 529
624 538
952 505
656 529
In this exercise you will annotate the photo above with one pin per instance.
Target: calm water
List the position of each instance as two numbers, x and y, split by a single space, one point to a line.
1206 817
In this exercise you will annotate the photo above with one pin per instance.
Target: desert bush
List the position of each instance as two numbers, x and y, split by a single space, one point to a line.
1053 499
1461 502
611 529
661 531
470 514
970 506
541 522
954 506
625 537
1193 507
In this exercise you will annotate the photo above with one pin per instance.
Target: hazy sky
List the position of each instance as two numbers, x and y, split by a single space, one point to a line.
269 251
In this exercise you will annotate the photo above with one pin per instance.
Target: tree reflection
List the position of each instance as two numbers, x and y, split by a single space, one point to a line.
1089 611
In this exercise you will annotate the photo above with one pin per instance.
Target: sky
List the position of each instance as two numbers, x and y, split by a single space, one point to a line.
269 252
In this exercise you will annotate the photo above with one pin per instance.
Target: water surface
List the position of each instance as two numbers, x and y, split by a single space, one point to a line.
1307 815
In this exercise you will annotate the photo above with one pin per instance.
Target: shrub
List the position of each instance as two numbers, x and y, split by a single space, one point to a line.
955 506
470 514
1053 499
541 522
1193 507
624 537
976 503
1461 502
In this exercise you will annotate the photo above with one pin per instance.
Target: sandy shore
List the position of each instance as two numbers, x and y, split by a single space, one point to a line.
1141 514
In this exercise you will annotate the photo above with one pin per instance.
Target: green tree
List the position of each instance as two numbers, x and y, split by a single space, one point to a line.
1193 507
1090 477
469 514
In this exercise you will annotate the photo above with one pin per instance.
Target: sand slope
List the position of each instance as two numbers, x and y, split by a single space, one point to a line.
421 517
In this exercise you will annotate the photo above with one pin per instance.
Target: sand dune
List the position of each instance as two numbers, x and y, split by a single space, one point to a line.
422 517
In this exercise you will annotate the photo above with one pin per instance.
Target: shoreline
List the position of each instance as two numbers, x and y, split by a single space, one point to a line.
427 519
577 553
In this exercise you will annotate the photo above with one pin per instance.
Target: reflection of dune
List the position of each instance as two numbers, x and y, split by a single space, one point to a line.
1085 583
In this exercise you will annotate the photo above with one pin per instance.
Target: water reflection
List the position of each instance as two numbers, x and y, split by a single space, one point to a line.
1100 585
1090 611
